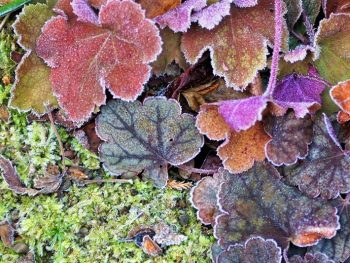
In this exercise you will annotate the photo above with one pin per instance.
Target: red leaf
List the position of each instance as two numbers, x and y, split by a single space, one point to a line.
109 51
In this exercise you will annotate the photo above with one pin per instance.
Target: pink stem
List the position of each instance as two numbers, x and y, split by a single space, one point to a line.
276 48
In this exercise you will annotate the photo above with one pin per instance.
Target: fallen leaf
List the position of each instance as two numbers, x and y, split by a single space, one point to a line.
204 199
173 184
310 258
254 250
290 138
47 184
332 42
32 89
146 137
258 202
166 236
158 7
142 236
102 52
238 45
171 52
325 170
4 113
241 150
7 233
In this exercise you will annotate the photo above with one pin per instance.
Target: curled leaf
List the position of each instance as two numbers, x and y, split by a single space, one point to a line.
146 137
254 250
86 58
325 170
258 202
204 199
7 233
290 138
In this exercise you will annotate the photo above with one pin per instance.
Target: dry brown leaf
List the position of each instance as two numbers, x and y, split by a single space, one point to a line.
173 184
7 233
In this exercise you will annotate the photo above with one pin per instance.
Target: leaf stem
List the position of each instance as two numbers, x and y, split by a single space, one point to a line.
195 170
97 181
276 48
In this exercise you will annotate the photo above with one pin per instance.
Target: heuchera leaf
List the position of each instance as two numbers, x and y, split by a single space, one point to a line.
332 42
211 16
32 89
254 250
240 149
312 8
293 91
204 199
340 94
337 248
258 202
146 137
325 171
238 45
299 92
290 138
311 258
298 54
87 57
179 18
294 10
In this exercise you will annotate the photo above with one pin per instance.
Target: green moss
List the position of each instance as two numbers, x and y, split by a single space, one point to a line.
6 47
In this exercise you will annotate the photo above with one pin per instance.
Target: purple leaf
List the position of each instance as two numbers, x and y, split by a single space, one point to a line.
179 18
254 250
311 258
245 3
84 12
290 138
242 114
258 202
298 92
298 54
211 16
325 171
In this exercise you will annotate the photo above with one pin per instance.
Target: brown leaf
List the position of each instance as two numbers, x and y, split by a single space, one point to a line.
158 7
7 233
173 184
4 113
241 150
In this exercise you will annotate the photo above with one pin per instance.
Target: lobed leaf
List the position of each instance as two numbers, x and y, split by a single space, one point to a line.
337 248
337 6
254 250
238 45
325 171
32 89
146 137
290 138
333 45
156 8
311 258
204 199
102 52
257 202
240 150
340 94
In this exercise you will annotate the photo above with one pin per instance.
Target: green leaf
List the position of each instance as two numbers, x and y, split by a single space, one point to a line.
32 88
146 137
12 6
